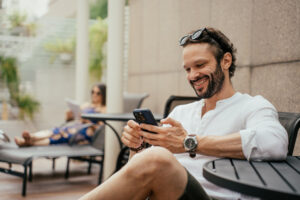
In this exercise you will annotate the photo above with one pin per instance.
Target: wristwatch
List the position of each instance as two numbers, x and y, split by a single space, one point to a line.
190 144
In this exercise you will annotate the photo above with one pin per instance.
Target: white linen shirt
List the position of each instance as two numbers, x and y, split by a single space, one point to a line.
255 118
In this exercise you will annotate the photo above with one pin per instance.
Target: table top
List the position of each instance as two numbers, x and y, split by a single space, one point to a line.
268 179
114 116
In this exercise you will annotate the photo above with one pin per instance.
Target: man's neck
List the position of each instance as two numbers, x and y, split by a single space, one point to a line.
226 92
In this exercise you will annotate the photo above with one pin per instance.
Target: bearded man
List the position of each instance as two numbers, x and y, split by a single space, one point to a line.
224 123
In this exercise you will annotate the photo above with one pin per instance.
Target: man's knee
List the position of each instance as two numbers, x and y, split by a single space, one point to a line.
151 162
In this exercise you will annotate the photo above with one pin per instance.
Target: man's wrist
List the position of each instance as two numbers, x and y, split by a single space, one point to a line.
143 146
137 149
190 144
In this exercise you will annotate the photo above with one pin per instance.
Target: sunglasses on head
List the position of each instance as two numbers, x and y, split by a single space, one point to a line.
193 37
94 92
198 35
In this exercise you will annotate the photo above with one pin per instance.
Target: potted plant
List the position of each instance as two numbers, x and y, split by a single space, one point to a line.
17 21
18 27
64 49
10 77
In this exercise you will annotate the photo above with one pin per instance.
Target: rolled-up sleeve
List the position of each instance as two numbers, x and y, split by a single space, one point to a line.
263 138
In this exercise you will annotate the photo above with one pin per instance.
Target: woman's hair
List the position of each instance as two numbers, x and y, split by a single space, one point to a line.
102 88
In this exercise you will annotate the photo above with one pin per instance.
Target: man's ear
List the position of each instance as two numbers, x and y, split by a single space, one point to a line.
226 61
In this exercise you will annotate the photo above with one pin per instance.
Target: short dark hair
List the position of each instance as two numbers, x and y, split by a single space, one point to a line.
221 45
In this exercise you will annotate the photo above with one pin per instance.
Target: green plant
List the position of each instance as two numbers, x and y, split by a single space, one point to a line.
98 9
98 38
27 106
9 75
19 27
16 19
60 46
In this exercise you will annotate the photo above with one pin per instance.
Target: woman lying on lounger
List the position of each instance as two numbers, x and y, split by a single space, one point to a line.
83 128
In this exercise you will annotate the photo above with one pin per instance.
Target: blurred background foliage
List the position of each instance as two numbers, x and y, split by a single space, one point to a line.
20 26
98 9
9 77
98 38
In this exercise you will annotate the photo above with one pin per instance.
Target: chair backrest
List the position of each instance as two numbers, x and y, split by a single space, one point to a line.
174 101
291 122
132 101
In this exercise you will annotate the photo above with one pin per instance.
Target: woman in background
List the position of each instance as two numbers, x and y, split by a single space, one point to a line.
84 129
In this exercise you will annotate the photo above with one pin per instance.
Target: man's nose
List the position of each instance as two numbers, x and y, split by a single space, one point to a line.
193 74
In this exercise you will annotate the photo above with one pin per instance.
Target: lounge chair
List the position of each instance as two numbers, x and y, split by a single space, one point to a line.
25 155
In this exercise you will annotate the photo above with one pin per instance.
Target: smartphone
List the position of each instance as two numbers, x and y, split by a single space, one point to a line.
144 116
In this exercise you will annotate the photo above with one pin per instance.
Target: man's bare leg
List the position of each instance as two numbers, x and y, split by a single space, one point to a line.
154 172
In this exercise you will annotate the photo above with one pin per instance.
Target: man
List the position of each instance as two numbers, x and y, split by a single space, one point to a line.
224 123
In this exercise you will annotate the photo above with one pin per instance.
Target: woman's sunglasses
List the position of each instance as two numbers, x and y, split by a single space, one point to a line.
94 92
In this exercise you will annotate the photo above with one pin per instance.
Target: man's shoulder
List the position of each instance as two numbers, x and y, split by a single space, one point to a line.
255 102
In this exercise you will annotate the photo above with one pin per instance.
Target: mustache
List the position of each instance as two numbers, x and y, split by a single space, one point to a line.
199 78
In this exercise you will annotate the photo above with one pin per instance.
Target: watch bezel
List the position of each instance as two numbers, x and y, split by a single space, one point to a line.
194 139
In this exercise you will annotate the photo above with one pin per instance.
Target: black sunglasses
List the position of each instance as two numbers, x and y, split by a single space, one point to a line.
194 36
93 92
197 35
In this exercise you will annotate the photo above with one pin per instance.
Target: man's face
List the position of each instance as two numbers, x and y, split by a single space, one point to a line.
203 71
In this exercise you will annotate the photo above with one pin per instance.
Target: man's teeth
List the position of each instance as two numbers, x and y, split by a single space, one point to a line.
199 82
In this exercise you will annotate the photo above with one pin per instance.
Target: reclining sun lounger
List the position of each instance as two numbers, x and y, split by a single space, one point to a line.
11 154
25 156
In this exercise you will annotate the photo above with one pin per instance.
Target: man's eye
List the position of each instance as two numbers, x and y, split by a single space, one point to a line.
200 65
187 69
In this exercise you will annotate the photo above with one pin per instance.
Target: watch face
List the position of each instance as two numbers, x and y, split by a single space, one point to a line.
190 143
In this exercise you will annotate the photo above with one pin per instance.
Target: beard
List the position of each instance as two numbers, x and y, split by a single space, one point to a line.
215 84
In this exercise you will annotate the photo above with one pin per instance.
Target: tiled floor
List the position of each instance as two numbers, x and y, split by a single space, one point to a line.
48 184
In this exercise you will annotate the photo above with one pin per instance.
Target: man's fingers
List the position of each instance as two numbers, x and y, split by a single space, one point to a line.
151 128
148 135
171 121
131 143
130 137
152 142
133 124
131 131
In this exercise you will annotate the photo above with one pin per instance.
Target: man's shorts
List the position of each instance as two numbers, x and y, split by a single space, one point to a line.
194 190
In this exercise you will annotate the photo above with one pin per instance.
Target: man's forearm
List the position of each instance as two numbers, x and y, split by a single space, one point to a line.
221 146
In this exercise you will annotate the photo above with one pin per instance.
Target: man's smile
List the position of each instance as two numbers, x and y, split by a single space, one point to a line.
199 82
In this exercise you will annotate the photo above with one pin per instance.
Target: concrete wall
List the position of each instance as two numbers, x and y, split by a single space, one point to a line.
266 34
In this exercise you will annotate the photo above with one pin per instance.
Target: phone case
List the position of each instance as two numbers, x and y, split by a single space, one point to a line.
144 116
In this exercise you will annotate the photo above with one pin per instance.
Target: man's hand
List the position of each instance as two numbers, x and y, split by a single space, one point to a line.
170 137
131 135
